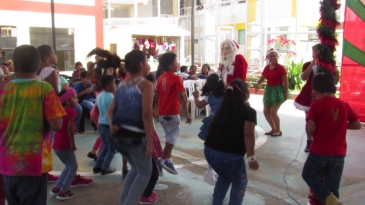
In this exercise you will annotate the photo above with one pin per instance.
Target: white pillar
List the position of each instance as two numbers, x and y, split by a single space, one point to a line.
109 13
135 11
158 8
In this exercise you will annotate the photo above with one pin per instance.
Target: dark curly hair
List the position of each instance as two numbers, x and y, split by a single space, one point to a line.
213 85
106 60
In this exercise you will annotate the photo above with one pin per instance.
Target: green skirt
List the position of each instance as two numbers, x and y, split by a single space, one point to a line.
274 95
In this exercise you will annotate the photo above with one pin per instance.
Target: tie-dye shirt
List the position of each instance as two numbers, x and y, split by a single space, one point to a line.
26 105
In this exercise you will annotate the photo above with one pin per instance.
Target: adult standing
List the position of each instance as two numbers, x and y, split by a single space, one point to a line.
232 64
306 95
276 91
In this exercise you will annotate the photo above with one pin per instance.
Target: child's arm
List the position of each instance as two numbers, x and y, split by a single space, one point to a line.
249 137
96 109
53 79
199 103
147 113
113 128
71 132
183 102
310 127
354 125
55 124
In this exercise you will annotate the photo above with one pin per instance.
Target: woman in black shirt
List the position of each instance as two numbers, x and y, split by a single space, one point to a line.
232 135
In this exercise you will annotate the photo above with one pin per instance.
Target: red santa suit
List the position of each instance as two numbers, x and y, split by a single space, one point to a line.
238 69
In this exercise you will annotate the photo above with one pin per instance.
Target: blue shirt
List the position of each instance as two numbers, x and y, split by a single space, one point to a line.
103 101
79 87
128 107
213 102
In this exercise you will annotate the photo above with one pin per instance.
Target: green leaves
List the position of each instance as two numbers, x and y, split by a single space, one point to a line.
294 70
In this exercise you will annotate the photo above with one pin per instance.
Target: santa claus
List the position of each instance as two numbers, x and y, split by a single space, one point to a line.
232 65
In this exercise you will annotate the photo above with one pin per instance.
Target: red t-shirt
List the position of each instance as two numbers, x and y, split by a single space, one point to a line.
169 85
330 116
61 138
76 74
275 76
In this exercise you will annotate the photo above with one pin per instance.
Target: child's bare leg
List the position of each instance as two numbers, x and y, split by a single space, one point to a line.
269 119
309 137
125 168
167 150
276 119
94 151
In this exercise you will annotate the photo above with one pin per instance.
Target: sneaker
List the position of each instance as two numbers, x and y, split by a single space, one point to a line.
110 170
51 178
159 167
169 167
81 181
150 200
91 155
62 195
54 191
210 178
307 148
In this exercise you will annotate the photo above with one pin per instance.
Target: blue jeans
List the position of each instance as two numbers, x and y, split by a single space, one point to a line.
231 169
107 153
141 169
327 167
68 158
88 104
26 190
78 109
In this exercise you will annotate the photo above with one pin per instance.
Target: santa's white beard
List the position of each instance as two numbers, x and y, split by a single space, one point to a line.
228 60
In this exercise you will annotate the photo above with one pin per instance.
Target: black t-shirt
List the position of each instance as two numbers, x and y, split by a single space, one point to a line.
231 139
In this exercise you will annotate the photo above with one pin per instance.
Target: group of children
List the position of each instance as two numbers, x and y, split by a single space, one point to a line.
125 120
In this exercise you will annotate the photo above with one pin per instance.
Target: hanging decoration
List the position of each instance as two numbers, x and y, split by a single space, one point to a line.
327 35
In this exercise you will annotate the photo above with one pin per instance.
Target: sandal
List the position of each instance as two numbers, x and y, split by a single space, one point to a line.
276 135
269 133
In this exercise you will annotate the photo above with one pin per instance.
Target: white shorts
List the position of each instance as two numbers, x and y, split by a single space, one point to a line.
171 126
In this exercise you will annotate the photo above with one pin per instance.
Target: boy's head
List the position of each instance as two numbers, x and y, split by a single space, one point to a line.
85 77
168 62
108 83
323 84
26 59
184 69
192 69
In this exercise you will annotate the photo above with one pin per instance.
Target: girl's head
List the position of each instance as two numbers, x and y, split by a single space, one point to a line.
78 65
315 51
68 97
233 103
136 63
109 71
213 85
205 69
272 56
48 55
192 69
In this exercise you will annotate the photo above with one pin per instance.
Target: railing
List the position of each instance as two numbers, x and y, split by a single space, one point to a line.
138 21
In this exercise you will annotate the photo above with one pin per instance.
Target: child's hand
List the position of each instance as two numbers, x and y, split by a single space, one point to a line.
87 91
155 115
196 94
254 165
149 149
114 129
188 119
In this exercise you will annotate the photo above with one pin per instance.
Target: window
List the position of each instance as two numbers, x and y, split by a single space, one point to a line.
241 37
225 4
242 2
7 31
199 5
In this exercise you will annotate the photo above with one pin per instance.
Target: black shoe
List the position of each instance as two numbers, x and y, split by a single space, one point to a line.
97 170
91 155
276 135
107 171
307 148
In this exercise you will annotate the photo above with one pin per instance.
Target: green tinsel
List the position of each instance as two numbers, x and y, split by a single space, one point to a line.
326 31
325 53
327 11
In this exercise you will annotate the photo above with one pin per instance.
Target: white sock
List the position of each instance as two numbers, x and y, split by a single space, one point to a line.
169 160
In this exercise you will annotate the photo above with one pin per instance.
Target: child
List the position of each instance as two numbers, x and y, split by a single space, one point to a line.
64 147
184 72
170 92
328 119
85 91
230 136
130 119
213 91
22 128
76 73
101 106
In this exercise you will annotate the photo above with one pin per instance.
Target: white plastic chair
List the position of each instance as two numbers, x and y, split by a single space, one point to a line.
201 83
190 86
